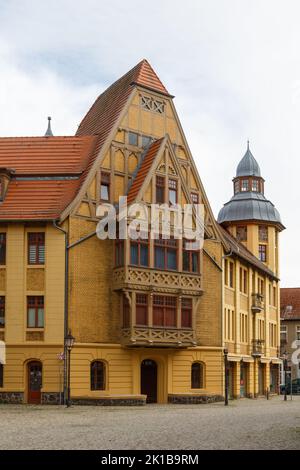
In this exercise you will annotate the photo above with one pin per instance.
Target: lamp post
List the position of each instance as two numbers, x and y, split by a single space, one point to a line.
226 375
69 343
285 364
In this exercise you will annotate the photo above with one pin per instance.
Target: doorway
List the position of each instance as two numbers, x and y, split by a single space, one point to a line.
243 380
149 380
34 374
261 379
274 378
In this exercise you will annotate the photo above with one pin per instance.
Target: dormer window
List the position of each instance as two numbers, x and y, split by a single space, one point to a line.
245 185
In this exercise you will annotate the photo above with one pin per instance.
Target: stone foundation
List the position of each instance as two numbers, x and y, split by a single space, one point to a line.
13 398
51 398
194 399
108 401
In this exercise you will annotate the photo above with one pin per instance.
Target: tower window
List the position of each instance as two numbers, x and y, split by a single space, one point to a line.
245 185
255 186
236 187
241 233
263 233
262 251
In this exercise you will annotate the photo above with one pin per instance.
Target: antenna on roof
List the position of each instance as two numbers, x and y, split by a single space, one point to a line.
49 132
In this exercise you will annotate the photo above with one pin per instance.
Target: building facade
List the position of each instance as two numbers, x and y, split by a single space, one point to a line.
251 309
150 317
290 328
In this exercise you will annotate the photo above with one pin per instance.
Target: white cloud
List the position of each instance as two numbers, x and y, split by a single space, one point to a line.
232 64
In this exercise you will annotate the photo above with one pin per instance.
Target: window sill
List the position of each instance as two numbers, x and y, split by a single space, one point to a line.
33 328
35 266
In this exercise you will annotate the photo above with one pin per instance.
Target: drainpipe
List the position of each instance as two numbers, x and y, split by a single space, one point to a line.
66 302
66 306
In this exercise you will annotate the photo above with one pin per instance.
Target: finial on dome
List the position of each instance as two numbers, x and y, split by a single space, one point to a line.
49 132
248 143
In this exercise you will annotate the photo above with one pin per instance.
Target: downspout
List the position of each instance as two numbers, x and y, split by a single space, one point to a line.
66 304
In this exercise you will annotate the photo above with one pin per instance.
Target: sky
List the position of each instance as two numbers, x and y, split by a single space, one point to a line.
233 66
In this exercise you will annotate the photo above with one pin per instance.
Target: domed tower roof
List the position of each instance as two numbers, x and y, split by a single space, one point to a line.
249 201
248 166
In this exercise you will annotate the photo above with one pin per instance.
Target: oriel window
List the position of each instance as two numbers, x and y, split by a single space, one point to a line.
190 257
139 252
186 312
105 186
164 311
141 309
35 311
126 312
165 253
2 248
36 248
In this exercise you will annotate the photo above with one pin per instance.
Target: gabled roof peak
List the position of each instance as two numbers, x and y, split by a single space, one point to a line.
146 77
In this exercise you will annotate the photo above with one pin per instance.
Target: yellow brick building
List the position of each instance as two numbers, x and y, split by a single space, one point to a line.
150 319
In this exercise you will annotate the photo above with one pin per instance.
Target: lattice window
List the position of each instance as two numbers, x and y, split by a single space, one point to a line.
152 104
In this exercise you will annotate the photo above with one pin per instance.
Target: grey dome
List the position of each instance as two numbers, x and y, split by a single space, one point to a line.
249 206
248 166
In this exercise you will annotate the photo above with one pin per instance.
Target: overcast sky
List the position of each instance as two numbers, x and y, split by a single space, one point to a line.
233 66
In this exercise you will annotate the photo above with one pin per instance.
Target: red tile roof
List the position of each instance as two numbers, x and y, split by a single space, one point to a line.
45 155
290 303
37 200
143 170
57 156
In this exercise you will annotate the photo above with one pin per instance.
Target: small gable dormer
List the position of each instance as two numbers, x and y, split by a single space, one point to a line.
5 177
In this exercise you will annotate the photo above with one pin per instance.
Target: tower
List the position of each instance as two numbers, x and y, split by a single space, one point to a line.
250 216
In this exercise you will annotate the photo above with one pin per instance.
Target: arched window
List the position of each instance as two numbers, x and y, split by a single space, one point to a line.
197 375
97 375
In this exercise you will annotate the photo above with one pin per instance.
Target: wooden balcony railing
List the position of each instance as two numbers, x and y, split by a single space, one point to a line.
137 278
257 303
257 347
158 337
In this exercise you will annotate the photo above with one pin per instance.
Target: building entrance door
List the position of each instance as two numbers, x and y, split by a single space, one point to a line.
274 378
34 382
149 380
243 380
261 379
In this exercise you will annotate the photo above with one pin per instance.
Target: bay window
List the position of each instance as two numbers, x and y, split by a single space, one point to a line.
164 311
165 253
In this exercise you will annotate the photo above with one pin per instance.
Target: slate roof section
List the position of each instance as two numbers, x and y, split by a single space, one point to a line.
290 303
143 170
248 166
238 249
249 206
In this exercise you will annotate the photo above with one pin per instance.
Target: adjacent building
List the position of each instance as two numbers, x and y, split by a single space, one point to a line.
150 317
290 328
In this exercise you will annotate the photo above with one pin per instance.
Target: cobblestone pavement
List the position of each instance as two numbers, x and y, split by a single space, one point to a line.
244 424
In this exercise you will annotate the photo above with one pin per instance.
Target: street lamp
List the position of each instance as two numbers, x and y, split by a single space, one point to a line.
69 343
226 375
285 366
